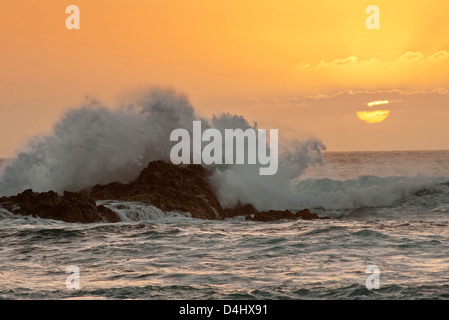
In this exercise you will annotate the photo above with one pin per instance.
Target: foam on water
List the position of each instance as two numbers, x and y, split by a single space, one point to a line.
94 144
194 259
137 211
394 218
365 191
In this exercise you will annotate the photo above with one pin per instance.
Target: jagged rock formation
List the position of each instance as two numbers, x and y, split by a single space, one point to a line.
169 187
184 188
71 207
274 215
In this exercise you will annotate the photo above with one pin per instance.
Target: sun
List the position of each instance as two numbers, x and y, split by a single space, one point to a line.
374 116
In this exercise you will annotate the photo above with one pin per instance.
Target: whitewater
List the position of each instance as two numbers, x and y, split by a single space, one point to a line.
389 209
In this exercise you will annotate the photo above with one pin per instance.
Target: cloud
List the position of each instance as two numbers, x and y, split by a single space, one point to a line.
441 91
302 66
304 101
418 56
377 102
349 61
439 56
354 61
411 57
338 62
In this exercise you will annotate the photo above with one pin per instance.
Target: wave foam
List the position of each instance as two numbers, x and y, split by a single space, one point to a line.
365 191
97 145
136 211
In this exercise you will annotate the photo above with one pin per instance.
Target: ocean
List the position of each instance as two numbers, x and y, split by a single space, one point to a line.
389 211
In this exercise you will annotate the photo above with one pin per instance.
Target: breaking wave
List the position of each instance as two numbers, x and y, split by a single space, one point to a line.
365 191
97 144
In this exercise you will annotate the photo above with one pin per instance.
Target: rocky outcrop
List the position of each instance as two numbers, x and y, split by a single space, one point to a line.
71 207
184 188
168 187
274 215
240 210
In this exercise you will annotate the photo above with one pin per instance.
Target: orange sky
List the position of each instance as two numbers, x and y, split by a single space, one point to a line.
304 67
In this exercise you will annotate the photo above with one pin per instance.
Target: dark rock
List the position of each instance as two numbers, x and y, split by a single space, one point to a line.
305 214
271 215
107 214
274 215
240 210
71 207
184 188
168 187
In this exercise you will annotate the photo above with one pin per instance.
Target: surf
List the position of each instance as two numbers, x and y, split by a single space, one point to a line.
99 144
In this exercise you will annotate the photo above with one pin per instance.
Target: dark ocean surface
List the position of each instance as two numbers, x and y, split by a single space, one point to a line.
388 209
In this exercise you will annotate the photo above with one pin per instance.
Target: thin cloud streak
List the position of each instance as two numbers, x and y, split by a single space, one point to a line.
408 57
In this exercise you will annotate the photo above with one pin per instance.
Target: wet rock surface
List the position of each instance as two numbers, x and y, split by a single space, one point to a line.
70 207
169 187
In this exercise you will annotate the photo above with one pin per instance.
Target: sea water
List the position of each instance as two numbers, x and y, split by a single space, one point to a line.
387 209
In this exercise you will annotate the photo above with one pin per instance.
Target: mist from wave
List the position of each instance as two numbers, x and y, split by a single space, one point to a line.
98 144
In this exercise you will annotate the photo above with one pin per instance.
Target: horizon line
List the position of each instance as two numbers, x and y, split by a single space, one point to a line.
335 151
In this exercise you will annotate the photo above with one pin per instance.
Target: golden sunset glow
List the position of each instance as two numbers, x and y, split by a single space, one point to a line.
375 116
292 65
223 150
